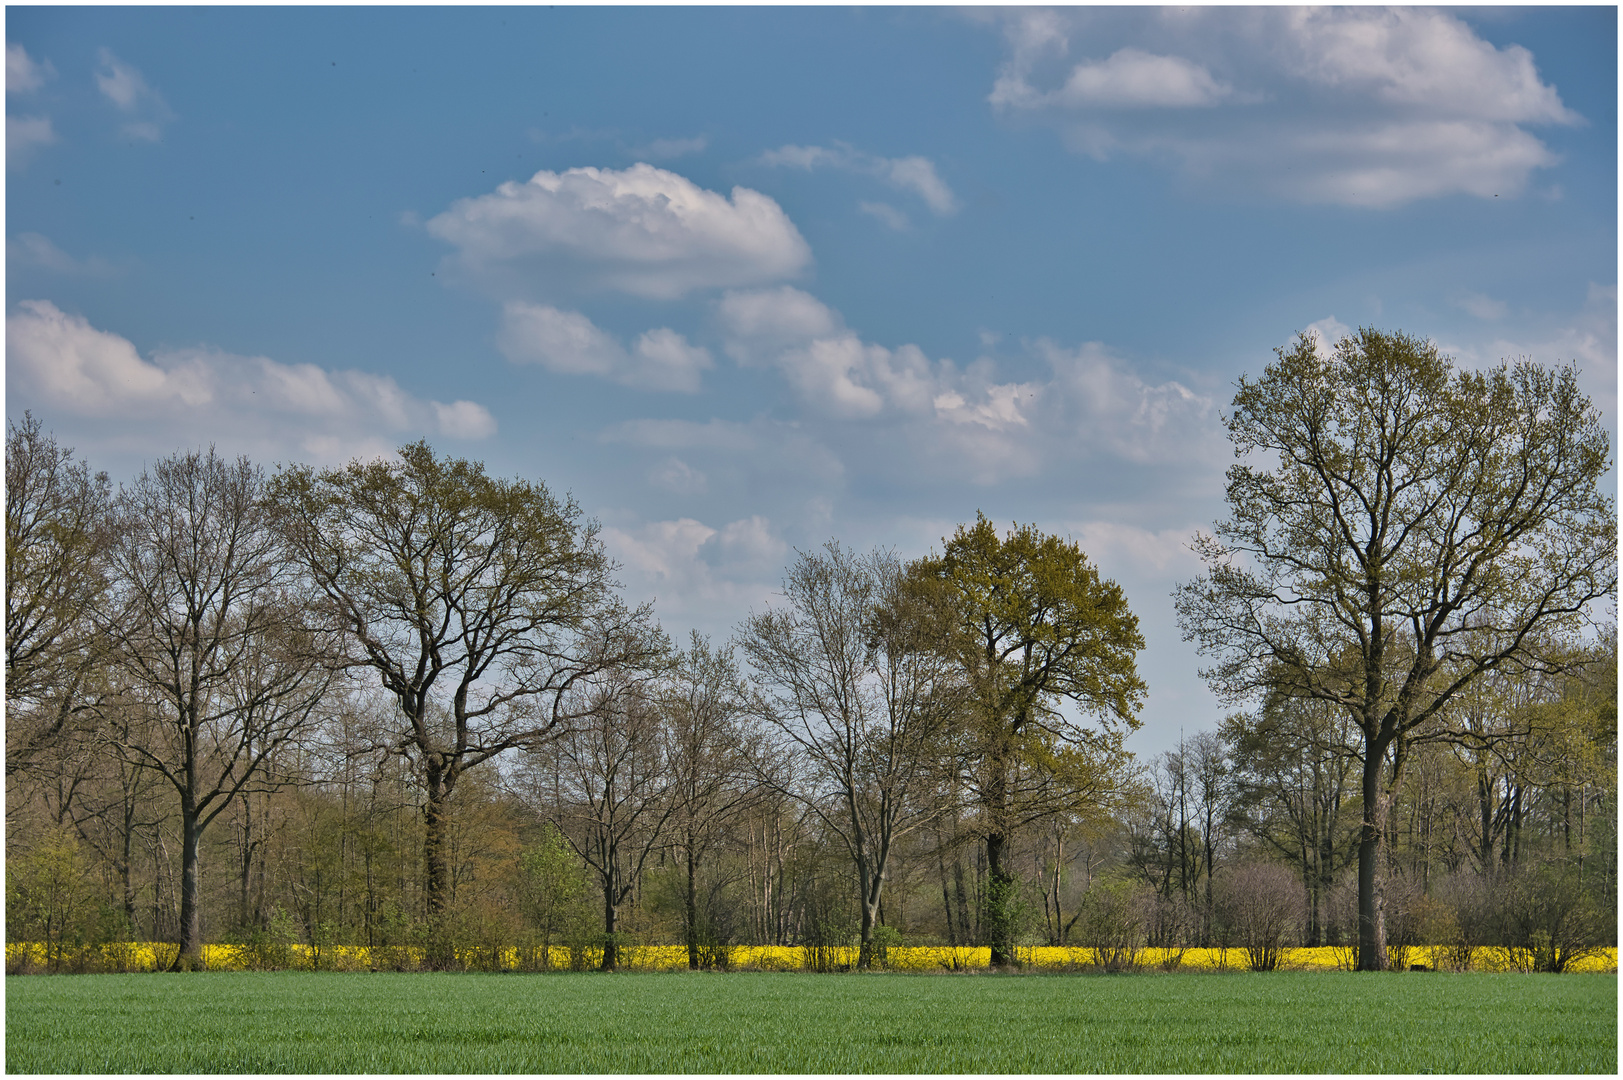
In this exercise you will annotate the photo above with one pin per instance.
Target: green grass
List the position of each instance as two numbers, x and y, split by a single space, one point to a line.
228 1022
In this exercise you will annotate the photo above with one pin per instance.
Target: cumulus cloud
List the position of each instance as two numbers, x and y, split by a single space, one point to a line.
644 231
692 569
913 174
128 91
964 418
62 365
464 420
567 342
1128 78
1097 406
1326 333
1356 106
830 367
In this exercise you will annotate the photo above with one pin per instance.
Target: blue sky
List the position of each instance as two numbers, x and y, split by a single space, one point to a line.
746 279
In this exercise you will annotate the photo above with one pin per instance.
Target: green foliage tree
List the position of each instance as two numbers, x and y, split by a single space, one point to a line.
52 898
481 604
552 890
1418 527
1034 631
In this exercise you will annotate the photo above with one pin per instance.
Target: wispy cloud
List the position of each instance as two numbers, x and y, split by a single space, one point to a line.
126 88
912 174
23 72
30 249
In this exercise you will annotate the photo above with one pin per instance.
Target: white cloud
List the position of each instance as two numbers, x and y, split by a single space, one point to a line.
32 249
830 367
1158 552
643 231
1100 407
23 72
1586 337
692 569
666 149
1483 307
1132 78
569 343
1414 57
1356 106
678 477
23 135
760 324
886 213
1326 332
129 92
914 174
62 365
464 420
964 419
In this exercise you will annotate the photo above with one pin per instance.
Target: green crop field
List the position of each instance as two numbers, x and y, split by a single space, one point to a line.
228 1022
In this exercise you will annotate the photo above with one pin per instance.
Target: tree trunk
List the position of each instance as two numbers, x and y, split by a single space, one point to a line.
966 933
1371 874
999 901
692 910
611 922
190 956
126 866
434 875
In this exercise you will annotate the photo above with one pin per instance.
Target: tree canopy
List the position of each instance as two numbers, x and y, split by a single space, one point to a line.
483 605
1396 529
1036 632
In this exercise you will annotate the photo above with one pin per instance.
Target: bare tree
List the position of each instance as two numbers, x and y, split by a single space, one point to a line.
862 698
611 793
1262 905
207 636
480 603
703 702
57 535
1294 789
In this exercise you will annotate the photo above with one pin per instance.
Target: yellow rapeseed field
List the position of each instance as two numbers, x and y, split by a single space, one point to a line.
149 956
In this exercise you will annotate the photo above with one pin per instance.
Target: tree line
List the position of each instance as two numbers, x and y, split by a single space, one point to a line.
402 703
